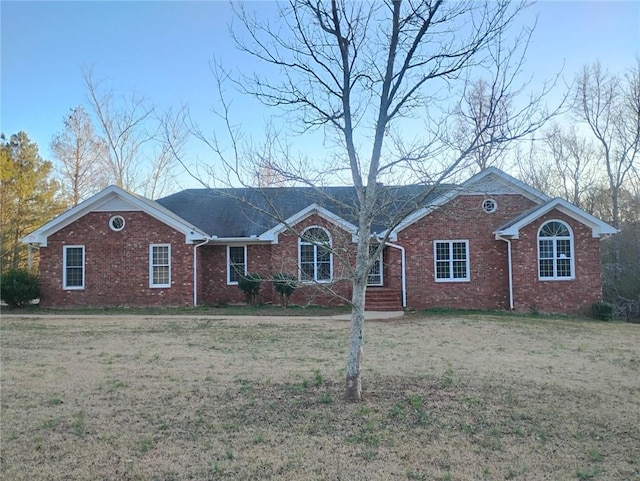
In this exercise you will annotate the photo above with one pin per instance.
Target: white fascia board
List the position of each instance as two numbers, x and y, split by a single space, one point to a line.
40 235
598 227
237 240
272 234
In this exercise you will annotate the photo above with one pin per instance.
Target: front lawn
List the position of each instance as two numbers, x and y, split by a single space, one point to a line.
447 398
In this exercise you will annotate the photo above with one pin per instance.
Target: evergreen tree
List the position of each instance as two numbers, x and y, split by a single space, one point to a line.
28 197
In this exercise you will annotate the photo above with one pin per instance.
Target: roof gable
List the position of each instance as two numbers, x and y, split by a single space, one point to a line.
273 233
491 181
114 199
598 227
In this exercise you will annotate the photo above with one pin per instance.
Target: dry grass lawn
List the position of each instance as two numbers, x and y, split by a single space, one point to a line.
447 398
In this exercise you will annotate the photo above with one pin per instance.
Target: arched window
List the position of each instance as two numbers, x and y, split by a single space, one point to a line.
555 251
314 255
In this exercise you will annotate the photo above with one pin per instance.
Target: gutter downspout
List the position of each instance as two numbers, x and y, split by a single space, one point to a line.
195 272
404 277
509 262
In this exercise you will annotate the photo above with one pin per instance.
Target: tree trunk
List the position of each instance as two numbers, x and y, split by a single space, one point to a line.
356 340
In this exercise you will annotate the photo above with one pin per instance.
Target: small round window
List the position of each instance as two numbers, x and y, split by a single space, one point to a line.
489 206
116 223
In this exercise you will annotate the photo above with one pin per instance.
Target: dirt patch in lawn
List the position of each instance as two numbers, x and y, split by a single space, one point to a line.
447 398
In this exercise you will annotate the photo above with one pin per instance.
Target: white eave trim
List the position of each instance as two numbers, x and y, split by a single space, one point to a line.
272 234
598 227
155 210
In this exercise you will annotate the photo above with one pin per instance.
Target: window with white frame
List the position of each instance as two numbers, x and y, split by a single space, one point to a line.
375 274
160 265
236 263
451 259
555 251
73 267
314 255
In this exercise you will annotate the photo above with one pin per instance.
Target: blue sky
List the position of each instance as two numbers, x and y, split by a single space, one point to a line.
163 50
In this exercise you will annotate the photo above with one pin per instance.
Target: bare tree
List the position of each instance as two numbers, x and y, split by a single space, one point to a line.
480 116
362 73
123 126
610 106
81 155
574 161
141 142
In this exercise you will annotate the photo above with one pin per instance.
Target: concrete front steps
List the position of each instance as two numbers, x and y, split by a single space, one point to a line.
383 299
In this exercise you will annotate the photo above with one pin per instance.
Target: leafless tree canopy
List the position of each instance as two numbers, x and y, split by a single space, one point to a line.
610 106
80 156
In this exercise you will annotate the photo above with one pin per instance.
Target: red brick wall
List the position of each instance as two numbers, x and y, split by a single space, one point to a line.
461 219
266 260
570 296
213 271
116 263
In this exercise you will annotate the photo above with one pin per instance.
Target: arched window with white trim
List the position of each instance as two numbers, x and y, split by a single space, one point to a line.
314 255
555 251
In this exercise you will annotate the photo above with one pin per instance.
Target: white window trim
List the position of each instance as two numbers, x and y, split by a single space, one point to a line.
64 269
229 282
151 266
381 283
572 245
301 278
435 261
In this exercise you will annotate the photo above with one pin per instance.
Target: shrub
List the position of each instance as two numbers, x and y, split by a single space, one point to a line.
603 310
285 285
250 285
18 287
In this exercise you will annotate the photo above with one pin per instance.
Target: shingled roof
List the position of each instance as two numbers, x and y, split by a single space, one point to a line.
247 212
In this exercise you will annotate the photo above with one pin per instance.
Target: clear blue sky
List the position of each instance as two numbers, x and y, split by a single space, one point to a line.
163 50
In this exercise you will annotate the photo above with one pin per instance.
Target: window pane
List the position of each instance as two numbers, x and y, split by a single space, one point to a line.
317 235
324 271
459 250
307 253
236 255
235 273
323 254
546 249
554 229
442 251
459 269
74 257
442 270
563 248
161 275
375 274
160 255
307 271
546 267
564 268
74 277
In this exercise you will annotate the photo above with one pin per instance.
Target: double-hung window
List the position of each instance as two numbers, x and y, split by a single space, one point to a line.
555 251
314 255
451 260
236 263
160 265
73 267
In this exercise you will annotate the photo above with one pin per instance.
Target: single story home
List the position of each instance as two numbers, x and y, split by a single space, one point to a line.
492 242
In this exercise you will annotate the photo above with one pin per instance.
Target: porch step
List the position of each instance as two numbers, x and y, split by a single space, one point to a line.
383 299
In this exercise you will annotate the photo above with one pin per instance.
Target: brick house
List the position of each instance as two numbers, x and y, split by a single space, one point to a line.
492 242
